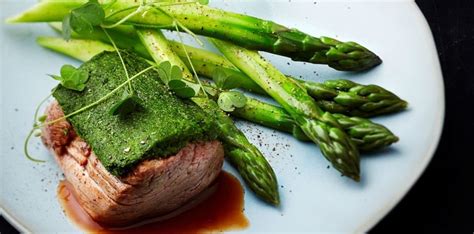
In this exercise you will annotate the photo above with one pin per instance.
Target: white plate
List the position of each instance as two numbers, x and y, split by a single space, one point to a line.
313 197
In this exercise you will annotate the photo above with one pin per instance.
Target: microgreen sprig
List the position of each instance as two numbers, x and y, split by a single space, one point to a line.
228 100
188 58
224 79
36 123
25 147
72 78
83 19
172 76
129 101
142 8
178 25
121 59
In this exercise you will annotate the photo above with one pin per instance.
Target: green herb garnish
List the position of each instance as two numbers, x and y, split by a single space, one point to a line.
72 78
83 19
168 72
224 80
229 100
172 75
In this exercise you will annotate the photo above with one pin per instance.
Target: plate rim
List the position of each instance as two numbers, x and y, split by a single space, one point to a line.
15 222
396 198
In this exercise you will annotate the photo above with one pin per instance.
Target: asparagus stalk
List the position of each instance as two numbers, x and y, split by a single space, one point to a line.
251 164
335 96
80 49
124 36
250 32
368 136
249 161
321 127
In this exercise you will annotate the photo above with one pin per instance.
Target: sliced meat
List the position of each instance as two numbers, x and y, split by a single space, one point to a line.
154 187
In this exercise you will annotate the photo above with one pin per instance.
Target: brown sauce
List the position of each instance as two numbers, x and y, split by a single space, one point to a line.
220 208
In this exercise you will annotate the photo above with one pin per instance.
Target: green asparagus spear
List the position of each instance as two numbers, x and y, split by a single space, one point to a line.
335 96
249 161
367 135
243 30
321 127
81 49
353 99
251 164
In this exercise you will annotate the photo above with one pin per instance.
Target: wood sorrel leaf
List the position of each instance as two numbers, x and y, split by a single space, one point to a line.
72 78
230 100
168 72
183 88
224 80
172 76
83 19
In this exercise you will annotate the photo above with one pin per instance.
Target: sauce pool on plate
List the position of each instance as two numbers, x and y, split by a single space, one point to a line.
219 208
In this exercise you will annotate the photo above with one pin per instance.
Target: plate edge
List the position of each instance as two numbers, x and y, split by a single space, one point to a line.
10 218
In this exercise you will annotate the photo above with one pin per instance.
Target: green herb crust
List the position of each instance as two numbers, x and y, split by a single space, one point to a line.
160 127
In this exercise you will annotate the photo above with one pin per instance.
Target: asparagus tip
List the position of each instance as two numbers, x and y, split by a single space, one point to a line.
404 104
275 200
355 177
375 61
394 139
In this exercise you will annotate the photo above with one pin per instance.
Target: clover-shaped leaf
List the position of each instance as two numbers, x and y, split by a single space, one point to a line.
168 72
224 79
72 78
230 100
83 19
183 88
172 76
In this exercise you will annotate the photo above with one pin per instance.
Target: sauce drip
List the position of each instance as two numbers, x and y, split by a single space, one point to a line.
220 208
